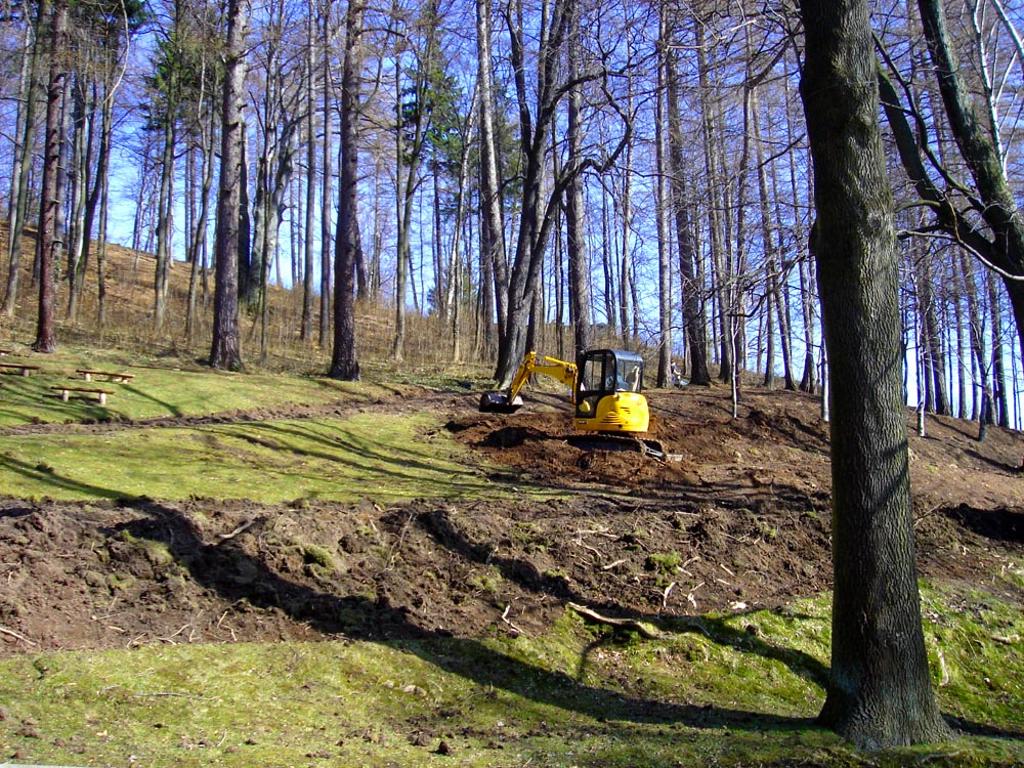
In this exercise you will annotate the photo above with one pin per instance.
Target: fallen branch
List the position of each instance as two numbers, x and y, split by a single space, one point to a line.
240 529
1006 639
614 564
690 598
505 618
640 627
944 681
16 635
590 548
929 513
666 593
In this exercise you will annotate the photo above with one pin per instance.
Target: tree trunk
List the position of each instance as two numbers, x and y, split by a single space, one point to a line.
999 396
776 275
625 262
661 214
165 224
575 238
327 191
879 693
201 219
99 183
226 350
101 251
18 203
719 274
306 327
48 246
693 313
344 363
492 235
607 269
80 163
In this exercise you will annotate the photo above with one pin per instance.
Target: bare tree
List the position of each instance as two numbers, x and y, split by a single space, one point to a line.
693 314
226 351
344 362
48 246
25 133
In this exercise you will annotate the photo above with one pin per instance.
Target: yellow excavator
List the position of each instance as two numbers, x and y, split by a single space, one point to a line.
606 389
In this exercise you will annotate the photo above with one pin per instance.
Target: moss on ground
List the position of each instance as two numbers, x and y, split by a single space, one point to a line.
718 690
161 388
368 455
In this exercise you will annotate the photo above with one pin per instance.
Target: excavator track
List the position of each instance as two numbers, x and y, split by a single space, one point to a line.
602 441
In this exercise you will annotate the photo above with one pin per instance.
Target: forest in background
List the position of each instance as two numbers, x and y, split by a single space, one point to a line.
547 174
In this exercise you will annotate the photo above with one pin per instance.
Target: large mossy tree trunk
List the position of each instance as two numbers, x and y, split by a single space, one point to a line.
879 692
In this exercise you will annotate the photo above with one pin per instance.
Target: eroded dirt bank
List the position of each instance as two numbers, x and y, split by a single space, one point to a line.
740 522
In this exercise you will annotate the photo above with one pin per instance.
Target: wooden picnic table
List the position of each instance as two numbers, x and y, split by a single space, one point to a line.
87 374
24 369
66 390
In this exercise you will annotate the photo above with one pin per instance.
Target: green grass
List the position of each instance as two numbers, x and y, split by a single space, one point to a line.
161 387
731 691
368 455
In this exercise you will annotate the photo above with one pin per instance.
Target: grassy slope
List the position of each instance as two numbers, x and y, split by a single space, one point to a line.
159 389
732 691
383 457
387 458
713 691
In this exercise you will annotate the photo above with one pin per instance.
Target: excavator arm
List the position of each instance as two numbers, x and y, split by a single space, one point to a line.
546 366
509 401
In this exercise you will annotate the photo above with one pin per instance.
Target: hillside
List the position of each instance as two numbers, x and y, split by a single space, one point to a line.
274 568
129 319
443 555
743 516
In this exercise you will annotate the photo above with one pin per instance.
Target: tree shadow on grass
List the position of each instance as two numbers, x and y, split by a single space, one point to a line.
44 474
394 463
226 569
171 408
523 573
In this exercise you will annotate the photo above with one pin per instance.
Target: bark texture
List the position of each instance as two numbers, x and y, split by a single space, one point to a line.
344 363
226 350
48 244
879 692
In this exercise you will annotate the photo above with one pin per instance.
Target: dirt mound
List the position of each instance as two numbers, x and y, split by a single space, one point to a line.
96 576
538 447
740 522
778 440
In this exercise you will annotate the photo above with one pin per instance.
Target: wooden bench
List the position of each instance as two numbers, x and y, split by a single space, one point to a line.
108 375
22 368
66 390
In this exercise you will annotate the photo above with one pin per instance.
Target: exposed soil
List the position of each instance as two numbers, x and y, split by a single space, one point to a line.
740 522
778 441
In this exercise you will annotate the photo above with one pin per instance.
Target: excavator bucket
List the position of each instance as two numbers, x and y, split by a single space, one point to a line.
498 402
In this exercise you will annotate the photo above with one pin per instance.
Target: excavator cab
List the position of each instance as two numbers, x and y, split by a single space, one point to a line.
608 392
